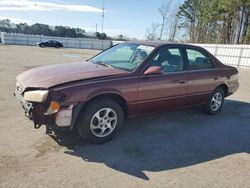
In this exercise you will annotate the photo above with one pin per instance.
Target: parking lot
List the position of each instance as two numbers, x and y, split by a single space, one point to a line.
176 149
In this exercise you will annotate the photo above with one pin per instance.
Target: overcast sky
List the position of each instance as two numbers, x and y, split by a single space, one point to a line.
127 17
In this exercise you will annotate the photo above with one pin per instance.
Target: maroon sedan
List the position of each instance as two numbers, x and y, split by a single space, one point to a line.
127 80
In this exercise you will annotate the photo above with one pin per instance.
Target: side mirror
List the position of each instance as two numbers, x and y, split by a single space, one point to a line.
153 70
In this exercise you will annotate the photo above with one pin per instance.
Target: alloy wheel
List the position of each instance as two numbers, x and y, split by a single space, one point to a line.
216 101
103 122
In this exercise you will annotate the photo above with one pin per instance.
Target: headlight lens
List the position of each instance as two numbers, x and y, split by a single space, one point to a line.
36 96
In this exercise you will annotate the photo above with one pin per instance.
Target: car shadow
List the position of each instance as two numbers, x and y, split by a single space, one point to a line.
168 140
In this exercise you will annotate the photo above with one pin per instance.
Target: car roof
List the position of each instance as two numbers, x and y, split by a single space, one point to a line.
51 40
160 43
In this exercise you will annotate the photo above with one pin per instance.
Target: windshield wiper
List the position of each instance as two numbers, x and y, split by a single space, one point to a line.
104 64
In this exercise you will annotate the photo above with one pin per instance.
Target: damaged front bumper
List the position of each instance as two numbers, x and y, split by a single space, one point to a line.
34 111
37 113
27 106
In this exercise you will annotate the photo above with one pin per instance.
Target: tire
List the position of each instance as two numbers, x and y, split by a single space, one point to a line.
215 102
42 46
100 120
57 46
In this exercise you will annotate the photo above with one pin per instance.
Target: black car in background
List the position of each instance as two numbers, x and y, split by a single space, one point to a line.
50 43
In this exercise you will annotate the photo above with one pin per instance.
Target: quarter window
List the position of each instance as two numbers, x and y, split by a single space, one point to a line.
197 61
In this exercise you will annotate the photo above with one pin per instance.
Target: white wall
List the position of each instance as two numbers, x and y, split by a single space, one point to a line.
234 55
32 40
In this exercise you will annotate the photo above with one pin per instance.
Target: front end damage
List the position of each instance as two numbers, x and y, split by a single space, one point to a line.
43 109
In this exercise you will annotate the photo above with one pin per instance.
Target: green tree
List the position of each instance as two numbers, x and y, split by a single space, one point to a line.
44 29
220 21
120 37
39 29
188 15
6 23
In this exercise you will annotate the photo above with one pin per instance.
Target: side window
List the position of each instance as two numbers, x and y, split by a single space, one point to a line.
197 61
170 59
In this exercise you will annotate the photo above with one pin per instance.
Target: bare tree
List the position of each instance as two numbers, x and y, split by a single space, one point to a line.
152 32
173 28
164 10
174 23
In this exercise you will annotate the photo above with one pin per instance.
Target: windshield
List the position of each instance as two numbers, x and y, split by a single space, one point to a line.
124 56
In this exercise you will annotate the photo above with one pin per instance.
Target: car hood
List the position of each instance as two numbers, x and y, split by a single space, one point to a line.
48 76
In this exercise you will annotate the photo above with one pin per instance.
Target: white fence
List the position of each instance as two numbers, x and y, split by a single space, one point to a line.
234 55
32 40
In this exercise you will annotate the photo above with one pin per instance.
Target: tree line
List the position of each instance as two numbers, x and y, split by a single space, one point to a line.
43 29
204 21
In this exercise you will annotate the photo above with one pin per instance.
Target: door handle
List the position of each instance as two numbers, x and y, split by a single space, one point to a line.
182 82
216 78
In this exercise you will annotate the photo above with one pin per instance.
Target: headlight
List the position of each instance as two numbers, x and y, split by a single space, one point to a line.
36 96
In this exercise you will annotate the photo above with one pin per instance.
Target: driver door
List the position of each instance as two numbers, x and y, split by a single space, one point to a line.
167 90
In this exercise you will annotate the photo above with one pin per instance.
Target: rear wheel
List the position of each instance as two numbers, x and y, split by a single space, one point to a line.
215 102
100 120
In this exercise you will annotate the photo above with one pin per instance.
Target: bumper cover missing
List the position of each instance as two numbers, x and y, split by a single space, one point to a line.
66 116
34 111
27 106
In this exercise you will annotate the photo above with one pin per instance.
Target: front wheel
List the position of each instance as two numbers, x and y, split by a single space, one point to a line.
215 102
100 120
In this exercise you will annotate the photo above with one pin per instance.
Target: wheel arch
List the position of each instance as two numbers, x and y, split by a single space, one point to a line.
113 95
224 87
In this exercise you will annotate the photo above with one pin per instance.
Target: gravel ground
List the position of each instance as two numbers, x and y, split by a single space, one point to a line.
176 149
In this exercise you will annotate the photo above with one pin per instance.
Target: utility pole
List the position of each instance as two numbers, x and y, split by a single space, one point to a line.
102 19
102 14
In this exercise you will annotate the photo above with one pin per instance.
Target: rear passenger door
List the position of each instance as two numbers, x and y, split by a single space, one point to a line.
202 76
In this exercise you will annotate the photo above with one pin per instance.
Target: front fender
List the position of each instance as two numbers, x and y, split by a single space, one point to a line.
99 92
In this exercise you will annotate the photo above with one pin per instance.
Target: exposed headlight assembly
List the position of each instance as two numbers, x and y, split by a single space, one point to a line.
53 108
36 96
